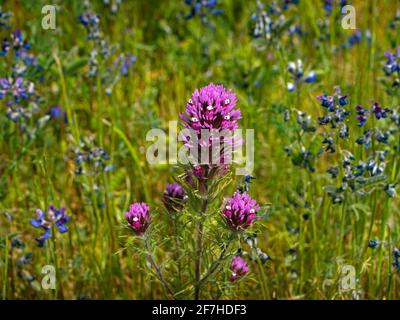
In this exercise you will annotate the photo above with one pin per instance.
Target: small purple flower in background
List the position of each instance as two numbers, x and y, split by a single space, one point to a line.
329 4
202 8
174 197
390 190
355 38
373 244
18 43
138 217
376 110
240 211
396 258
286 3
362 115
393 62
335 106
239 268
127 61
91 22
379 112
57 113
18 88
296 73
55 217
4 19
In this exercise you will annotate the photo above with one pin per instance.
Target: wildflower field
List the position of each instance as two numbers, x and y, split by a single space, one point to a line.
94 93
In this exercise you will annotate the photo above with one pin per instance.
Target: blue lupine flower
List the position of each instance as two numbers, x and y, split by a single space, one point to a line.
5 47
390 190
4 19
57 113
328 6
287 3
296 73
362 115
373 244
5 86
365 139
393 62
337 113
380 112
55 218
201 8
396 257
18 43
382 137
18 88
125 62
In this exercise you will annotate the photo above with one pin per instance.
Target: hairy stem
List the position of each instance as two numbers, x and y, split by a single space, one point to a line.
157 268
199 250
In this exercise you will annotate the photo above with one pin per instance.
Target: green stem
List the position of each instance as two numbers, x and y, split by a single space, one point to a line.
199 248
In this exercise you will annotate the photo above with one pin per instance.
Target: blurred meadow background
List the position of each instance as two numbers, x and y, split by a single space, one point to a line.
102 85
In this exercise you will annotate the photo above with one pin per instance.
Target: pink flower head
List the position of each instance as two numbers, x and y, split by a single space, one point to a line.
211 107
239 268
173 197
138 217
240 211
211 118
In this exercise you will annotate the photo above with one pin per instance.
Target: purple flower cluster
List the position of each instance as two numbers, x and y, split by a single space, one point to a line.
173 197
4 19
101 57
19 88
239 268
240 211
55 217
376 110
335 107
202 8
138 217
393 62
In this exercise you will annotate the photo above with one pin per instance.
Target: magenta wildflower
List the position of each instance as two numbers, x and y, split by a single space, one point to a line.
211 117
138 217
211 107
240 211
173 197
239 268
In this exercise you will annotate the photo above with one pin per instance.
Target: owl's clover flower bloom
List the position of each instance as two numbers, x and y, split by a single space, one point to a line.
174 197
55 217
138 217
211 112
239 268
240 211
211 107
